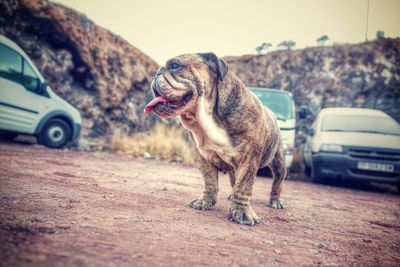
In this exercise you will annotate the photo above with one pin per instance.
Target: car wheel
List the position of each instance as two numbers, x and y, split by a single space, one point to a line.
8 136
55 133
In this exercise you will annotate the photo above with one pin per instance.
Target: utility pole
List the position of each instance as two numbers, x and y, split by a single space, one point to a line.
366 25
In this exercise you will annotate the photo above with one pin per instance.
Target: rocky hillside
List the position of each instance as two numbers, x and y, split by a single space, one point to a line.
101 74
361 75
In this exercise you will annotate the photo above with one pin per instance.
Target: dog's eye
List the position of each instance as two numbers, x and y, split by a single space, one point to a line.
174 67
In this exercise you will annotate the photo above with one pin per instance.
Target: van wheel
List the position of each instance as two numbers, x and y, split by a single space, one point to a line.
55 133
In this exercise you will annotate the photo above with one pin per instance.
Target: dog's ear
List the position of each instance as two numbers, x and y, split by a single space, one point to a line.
216 63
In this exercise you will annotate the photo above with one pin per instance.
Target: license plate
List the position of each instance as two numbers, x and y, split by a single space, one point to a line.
375 166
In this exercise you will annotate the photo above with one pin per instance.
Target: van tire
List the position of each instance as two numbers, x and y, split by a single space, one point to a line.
55 133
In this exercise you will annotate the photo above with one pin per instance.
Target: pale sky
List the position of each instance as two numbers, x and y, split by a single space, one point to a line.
166 28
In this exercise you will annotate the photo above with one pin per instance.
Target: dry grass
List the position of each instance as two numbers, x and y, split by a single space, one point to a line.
161 142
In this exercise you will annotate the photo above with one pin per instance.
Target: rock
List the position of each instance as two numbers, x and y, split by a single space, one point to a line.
320 245
367 240
213 245
269 242
148 155
135 256
278 251
87 217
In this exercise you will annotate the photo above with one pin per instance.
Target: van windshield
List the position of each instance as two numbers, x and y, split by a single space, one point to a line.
280 103
360 123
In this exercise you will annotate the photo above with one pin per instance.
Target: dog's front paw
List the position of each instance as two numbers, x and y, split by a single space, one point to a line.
203 203
275 204
243 214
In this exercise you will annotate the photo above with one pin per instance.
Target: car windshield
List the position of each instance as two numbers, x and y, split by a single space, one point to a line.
280 103
360 123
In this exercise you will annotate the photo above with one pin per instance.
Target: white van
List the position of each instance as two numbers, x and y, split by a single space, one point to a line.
353 143
282 104
28 105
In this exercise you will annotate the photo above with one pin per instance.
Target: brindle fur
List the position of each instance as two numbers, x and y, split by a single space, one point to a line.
251 129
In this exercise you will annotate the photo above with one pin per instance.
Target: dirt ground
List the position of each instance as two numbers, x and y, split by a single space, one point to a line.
70 208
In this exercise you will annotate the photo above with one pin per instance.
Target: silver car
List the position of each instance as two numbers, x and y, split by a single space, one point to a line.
353 143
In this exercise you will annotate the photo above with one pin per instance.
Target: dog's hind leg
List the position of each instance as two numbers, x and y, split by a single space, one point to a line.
279 172
208 199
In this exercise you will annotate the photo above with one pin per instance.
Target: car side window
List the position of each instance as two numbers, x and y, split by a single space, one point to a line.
29 78
10 64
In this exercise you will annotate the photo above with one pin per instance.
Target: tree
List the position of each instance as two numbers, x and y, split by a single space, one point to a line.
288 44
321 40
263 46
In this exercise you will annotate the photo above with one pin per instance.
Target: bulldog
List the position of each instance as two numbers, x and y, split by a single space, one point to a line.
231 130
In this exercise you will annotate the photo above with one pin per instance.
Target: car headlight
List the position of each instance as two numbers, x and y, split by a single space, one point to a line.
331 148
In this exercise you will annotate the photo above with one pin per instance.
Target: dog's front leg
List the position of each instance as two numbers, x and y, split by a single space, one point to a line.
208 199
241 210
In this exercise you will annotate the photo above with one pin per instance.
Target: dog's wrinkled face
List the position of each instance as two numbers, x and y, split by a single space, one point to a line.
182 80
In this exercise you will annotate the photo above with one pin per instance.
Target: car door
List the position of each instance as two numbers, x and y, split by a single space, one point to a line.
20 105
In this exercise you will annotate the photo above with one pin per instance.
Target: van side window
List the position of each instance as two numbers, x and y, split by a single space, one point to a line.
29 78
10 64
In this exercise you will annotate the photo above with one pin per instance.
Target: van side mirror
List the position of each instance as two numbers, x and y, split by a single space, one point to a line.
303 111
310 131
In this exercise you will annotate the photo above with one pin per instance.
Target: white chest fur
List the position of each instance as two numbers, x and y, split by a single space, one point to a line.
210 138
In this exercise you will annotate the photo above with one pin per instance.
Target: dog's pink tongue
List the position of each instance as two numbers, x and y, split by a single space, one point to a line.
153 103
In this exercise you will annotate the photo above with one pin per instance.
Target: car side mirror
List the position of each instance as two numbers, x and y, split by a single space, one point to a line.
310 131
303 111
